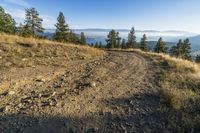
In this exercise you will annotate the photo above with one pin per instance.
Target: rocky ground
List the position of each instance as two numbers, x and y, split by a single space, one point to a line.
114 93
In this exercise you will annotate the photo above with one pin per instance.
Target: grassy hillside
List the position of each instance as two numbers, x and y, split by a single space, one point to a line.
179 94
29 52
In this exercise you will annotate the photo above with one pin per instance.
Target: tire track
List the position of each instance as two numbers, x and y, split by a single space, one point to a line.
123 98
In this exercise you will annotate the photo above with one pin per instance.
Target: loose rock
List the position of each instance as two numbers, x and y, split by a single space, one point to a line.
11 92
40 79
92 84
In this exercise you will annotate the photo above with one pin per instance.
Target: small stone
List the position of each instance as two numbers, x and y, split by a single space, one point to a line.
7 64
40 95
7 108
24 59
52 103
20 105
75 90
132 102
40 79
54 93
92 84
11 92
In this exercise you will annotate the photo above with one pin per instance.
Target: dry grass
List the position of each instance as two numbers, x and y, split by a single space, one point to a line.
27 52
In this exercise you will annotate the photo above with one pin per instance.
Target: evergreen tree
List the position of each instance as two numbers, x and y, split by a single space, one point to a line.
113 39
83 39
123 44
62 30
72 37
131 43
34 22
198 58
100 45
144 43
182 49
186 49
118 42
92 44
24 30
96 45
176 50
161 46
7 23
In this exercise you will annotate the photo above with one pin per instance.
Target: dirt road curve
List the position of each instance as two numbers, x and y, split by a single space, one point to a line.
116 93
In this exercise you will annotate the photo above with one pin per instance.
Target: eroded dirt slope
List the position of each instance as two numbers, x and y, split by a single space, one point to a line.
114 93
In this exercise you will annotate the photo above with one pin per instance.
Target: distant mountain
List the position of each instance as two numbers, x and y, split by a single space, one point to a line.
152 45
124 32
195 39
171 36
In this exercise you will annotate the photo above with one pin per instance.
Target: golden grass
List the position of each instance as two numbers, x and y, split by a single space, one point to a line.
34 41
178 63
20 51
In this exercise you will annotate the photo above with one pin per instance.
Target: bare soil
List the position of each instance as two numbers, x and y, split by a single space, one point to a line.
114 93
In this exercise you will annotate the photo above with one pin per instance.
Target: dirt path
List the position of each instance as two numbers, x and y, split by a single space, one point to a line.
116 93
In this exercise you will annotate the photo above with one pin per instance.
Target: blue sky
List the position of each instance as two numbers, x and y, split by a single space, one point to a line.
118 14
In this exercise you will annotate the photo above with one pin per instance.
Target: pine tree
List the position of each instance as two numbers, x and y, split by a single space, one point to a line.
176 50
144 43
96 45
19 29
161 46
92 44
124 44
72 37
7 23
34 22
83 39
100 45
186 49
198 58
24 30
131 43
62 29
113 39
182 49
118 41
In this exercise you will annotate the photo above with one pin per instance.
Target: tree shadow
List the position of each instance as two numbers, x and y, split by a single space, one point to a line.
138 113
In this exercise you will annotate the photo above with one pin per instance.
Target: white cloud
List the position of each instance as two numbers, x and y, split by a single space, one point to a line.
16 13
22 3
19 16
